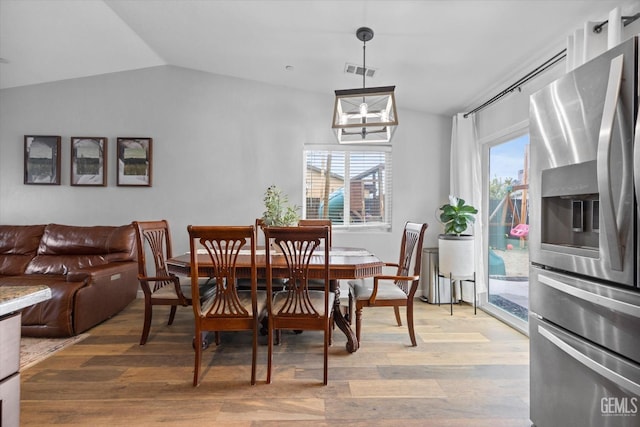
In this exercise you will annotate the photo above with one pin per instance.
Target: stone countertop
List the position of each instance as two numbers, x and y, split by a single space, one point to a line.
14 298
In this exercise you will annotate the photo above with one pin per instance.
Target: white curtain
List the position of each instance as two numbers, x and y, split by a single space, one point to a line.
585 44
466 183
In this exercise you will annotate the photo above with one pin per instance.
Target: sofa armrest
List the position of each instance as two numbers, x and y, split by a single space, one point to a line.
78 276
107 290
99 273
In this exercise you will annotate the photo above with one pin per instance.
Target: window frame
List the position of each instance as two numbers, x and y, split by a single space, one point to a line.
500 137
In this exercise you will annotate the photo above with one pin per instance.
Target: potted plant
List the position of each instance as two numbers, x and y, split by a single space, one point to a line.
457 216
278 212
455 249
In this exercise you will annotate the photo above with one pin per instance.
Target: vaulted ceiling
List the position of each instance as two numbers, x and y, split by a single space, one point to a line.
443 56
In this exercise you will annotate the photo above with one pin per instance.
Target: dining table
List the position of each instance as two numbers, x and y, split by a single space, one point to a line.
345 264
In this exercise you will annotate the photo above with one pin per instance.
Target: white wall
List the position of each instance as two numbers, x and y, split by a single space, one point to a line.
218 143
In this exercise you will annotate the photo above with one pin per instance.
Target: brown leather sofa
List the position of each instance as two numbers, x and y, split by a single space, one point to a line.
92 273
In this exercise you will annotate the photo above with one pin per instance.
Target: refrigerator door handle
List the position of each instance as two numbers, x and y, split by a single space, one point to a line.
612 247
609 303
636 156
596 367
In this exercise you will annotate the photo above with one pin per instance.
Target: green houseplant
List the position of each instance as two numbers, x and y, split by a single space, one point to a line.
455 249
278 212
457 216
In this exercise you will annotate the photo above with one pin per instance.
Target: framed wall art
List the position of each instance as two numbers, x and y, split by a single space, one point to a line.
134 161
88 161
42 160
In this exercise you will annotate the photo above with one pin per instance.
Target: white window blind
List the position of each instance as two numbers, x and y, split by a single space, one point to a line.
351 185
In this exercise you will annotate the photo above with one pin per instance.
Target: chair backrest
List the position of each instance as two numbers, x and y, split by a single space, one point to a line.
153 238
223 245
259 232
296 249
317 222
410 251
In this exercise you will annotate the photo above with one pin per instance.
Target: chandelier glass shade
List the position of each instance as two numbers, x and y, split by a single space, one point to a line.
366 115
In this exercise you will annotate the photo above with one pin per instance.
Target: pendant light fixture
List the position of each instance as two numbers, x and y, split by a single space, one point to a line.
366 115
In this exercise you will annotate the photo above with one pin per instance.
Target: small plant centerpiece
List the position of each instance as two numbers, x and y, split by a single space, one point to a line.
456 249
278 212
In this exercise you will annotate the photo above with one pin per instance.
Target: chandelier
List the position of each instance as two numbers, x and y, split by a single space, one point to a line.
366 115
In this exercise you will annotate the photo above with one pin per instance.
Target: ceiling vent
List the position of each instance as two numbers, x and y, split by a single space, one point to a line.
359 70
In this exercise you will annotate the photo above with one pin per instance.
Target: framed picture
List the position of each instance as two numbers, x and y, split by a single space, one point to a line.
42 160
89 161
134 162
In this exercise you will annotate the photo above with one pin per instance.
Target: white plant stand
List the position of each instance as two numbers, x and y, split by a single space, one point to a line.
456 261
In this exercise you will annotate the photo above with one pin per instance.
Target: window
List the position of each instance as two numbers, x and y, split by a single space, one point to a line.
351 185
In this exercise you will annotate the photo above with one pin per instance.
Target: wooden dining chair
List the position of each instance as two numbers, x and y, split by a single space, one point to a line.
346 299
259 226
226 309
278 283
318 222
160 287
297 307
395 290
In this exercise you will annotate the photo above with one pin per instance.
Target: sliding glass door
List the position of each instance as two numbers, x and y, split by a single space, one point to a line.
508 260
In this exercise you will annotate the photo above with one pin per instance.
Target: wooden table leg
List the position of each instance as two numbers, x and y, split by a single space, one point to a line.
341 322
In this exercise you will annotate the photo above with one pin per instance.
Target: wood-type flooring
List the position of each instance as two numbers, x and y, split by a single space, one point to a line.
466 371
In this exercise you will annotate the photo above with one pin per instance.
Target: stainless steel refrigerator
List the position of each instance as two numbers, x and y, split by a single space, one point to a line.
584 319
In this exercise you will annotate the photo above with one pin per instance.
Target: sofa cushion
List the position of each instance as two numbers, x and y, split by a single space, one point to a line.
66 249
18 246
